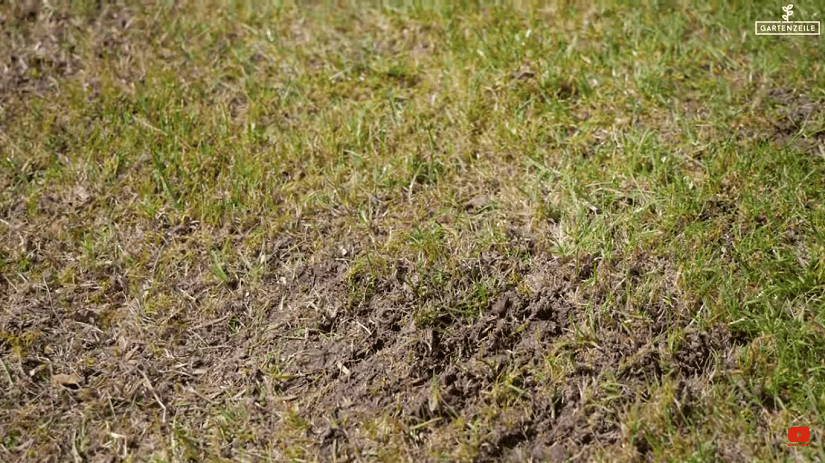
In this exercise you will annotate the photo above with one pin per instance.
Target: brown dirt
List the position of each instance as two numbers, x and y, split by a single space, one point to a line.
372 358
302 349
797 122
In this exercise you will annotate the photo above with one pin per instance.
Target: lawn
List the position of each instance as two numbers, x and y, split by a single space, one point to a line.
410 231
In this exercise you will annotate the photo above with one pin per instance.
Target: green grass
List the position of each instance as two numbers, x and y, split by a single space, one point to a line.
208 185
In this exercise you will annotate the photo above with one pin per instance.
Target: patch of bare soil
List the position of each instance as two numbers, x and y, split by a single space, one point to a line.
40 46
219 370
373 359
798 121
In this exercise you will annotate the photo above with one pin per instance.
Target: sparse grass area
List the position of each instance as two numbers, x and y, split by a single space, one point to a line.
548 232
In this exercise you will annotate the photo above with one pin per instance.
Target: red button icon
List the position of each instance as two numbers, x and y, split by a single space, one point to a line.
799 434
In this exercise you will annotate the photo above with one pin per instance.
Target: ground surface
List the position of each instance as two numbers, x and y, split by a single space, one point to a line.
347 233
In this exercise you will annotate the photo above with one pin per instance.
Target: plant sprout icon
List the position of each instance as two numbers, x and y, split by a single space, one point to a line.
788 12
